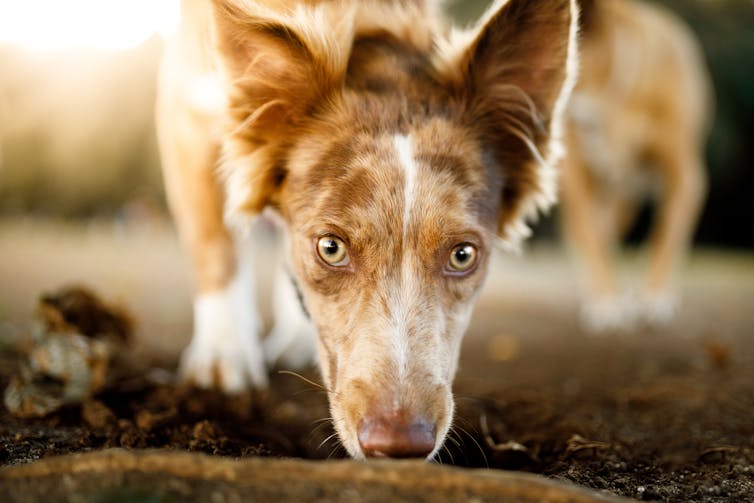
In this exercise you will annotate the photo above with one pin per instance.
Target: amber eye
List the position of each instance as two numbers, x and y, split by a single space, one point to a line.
462 258
333 251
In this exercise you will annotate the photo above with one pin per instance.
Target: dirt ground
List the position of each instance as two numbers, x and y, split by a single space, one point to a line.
653 415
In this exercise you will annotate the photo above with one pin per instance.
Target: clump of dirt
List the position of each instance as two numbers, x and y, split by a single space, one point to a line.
75 341
78 308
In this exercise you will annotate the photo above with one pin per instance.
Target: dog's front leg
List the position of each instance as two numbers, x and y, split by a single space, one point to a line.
225 351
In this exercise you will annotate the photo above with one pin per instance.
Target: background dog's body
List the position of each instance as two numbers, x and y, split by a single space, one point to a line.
394 152
638 121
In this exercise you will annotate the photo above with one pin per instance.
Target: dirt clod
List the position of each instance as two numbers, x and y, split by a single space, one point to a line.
75 338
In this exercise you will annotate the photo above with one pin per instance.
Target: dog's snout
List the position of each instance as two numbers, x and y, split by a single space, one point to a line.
395 437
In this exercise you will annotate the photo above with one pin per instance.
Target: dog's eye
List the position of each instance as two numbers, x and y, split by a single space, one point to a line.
333 251
462 258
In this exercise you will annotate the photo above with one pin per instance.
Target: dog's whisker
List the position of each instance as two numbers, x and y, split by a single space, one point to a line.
338 447
316 433
307 380
454 437
466 423
330 437
478 446
438 458
454 440
450 454
316 429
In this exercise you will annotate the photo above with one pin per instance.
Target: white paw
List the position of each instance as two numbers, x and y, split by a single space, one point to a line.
292 342
231 367
226 351
609 315
658 309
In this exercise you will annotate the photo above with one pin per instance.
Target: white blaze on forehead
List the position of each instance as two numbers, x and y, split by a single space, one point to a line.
405 150
405 295
400 298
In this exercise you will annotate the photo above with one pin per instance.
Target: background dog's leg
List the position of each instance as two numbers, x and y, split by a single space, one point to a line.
292 342
592 239
622 215
225 350
684 189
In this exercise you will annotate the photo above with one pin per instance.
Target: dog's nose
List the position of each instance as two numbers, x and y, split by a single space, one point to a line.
395 437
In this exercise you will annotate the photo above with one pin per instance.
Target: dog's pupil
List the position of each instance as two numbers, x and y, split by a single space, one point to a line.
462 255
331 248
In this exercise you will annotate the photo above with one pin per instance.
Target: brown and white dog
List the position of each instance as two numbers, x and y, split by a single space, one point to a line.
637 125
395 152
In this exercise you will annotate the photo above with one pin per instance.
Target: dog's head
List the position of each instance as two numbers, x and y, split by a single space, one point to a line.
396 153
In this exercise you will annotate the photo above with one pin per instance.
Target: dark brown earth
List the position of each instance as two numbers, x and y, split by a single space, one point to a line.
654 415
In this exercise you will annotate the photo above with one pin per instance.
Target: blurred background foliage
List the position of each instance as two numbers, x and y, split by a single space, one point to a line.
76 130
77 136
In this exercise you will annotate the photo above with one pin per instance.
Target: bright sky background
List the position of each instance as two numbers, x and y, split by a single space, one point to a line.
49 25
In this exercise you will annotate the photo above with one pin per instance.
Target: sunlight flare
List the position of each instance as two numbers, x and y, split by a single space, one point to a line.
49 25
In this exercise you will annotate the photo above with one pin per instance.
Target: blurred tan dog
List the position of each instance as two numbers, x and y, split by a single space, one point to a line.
638 121
394 152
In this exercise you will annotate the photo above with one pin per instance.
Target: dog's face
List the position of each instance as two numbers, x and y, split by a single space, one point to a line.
395 168
390 232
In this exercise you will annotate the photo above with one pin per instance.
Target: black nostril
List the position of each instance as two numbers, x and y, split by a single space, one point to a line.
382 437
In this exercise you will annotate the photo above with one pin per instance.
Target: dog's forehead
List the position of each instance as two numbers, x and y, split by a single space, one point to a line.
376 179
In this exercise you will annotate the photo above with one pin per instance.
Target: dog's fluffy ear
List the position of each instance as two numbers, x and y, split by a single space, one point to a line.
516 69
279 64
